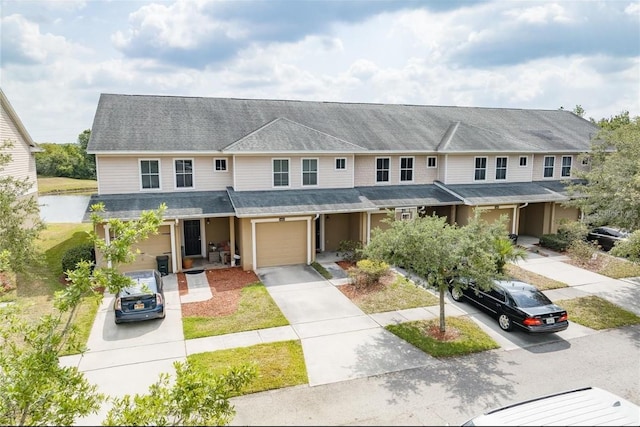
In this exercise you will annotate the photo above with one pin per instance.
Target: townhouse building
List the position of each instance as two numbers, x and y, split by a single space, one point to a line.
274 182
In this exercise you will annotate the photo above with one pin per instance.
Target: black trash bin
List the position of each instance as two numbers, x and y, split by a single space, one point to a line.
163 264
514 238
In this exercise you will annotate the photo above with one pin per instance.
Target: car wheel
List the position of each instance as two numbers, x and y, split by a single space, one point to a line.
456 294
505 322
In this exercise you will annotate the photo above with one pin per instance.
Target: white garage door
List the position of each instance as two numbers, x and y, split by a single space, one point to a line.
281 243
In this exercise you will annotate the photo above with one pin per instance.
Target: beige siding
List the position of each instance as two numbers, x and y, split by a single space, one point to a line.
256 172
460 169
337 229
281 243
365 173
538 166
121 174
23 162
564 214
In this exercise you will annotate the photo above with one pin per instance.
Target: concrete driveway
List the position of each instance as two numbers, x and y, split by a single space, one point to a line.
339 341
129 357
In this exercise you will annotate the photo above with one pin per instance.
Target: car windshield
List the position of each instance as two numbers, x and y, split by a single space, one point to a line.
529 298
143 284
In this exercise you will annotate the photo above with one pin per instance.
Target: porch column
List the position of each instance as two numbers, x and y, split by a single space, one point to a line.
232 240
174 263
107 240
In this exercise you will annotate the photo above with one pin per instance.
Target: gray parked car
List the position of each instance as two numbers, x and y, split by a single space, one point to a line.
143 300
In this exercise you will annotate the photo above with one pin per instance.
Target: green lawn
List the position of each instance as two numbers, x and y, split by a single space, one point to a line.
279 364
256 310
597 313
35 290
60 185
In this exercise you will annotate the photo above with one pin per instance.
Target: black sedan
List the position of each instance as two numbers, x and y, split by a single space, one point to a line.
606 237
515 303
143 300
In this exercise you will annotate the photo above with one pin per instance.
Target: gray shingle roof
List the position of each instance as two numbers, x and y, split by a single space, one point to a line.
294 202
390 196
505 193
196 204
141 123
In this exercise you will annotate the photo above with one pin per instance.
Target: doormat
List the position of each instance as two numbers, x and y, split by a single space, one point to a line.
194 271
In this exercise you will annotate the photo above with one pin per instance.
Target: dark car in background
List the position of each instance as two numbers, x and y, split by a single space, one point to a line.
606 237
515 303
143 300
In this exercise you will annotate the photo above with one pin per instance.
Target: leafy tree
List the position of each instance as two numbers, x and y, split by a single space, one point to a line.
611 190
20 222
439 253
36 390
195 399
67 160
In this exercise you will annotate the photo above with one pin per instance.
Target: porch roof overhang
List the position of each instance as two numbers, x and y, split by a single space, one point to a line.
185 204
390 196
507 193
298 202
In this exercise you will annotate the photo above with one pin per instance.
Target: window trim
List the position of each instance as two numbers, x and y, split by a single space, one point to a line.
526 161
159 173
226 165
476 169
563 166
193 173
412 169
545 167
335 163
435 162
506 166
273 172
388 170
302 172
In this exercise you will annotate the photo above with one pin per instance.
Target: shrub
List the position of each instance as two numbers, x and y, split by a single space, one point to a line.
350 250
582 250
367 272
554 242
572 230
73 256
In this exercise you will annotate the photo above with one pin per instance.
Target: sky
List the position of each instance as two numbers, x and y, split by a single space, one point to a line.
57 57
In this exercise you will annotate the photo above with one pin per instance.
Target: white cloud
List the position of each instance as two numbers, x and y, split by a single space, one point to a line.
179 25
540 14
24 43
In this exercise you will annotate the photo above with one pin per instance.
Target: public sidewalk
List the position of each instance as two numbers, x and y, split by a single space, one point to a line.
581 282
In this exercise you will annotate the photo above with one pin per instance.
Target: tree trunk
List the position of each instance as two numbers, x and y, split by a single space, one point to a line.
442 325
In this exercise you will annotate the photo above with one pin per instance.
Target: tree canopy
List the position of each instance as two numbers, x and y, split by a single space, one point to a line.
20 222
610 194
67 160
439 253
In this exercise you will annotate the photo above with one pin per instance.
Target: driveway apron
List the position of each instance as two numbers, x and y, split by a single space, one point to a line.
340 342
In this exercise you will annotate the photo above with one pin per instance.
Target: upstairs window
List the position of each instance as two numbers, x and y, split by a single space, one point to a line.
382 169
566 166
501 168
406 169
150 174
309 171
480 169
280 172
431 162
341 163
220 165
184 173
549 162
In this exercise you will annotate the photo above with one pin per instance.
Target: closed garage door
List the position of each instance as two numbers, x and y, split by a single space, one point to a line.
281 243
154 245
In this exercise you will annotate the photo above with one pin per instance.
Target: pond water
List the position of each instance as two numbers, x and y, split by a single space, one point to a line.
67 208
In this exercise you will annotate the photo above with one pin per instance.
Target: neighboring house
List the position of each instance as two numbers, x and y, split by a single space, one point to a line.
23 160
281 180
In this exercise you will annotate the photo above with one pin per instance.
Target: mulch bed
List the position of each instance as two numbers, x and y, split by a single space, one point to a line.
226 286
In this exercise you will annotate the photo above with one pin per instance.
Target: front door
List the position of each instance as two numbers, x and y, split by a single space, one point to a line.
192 244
